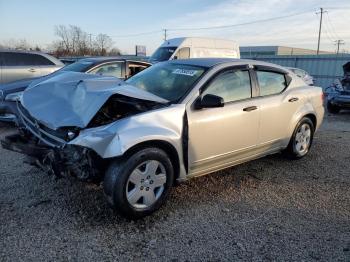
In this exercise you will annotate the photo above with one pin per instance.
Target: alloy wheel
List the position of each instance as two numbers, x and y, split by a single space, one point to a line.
303 139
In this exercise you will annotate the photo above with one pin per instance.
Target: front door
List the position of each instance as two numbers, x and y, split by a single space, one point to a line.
221 136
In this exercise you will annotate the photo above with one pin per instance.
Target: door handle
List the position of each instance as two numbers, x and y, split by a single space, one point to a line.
250 108
32 70
293 99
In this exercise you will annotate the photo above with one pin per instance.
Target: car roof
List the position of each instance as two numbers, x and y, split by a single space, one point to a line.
211 62
100 59
4 50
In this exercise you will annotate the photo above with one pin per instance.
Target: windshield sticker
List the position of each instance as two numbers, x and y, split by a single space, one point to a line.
185 72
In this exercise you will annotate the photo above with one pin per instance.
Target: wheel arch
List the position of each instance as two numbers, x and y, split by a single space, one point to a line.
312 117
161 144
305 111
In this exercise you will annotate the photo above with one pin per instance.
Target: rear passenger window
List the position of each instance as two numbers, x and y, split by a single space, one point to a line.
231 85
271 83
22 59
40 60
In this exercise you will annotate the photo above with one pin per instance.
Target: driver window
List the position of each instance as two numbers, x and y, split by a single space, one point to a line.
231 85
183 53
112 69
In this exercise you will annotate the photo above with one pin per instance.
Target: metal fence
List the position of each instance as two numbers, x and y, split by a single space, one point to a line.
324 68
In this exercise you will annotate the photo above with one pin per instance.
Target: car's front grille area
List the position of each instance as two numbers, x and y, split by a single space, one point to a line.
48 136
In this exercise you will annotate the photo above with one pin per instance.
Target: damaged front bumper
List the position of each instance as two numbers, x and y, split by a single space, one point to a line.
69 160
49 150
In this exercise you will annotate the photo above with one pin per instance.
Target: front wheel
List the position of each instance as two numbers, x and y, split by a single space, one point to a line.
301 139
139 185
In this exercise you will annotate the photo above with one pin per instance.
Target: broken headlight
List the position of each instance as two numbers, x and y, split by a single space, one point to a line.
14 96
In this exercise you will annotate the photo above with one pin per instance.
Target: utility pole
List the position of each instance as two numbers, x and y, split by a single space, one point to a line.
338 43
320 30
165 34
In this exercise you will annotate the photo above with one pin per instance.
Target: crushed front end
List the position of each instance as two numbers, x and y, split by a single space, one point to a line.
76 124
49 149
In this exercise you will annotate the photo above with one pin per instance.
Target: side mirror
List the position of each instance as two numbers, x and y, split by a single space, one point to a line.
209 101
175 57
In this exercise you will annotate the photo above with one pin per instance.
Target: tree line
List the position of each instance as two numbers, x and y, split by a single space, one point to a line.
71 41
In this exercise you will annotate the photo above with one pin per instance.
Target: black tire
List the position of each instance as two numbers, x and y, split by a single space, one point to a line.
333 109
291 151
117 176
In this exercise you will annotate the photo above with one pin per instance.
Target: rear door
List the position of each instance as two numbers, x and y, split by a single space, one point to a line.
278 104
19 66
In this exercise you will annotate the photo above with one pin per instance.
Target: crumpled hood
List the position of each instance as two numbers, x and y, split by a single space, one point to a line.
73 99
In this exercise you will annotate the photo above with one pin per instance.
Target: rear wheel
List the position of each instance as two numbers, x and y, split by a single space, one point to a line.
139 185
332 108
301 139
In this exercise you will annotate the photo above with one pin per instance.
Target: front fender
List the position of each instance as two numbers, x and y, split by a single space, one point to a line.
115 139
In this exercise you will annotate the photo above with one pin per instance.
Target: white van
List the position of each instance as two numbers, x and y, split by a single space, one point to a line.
195 47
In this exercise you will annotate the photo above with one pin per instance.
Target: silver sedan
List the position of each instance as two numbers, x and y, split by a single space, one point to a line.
173 121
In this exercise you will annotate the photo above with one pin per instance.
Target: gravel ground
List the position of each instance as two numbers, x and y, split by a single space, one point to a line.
268 209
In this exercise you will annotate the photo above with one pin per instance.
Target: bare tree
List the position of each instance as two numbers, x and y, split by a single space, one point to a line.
65 38
80 40
74 41
18 44
114 52
103 43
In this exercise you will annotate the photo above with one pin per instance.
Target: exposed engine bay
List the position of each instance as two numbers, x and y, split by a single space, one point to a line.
118 107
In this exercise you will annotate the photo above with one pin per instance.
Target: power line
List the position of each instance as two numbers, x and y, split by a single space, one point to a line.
339 8
329 33
133 35
240 24
331 25
138 34
165 31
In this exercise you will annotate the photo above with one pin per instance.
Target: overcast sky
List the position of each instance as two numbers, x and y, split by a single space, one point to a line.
35 21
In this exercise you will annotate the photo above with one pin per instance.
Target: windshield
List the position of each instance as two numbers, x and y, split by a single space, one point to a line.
168 81
80 66
163 53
